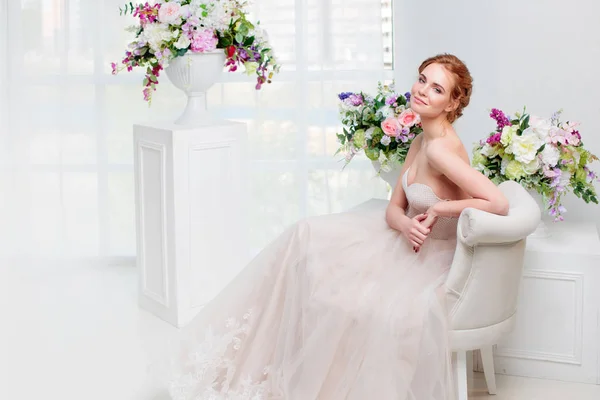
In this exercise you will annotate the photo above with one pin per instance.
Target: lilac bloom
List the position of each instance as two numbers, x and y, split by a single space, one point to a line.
501 119
355 99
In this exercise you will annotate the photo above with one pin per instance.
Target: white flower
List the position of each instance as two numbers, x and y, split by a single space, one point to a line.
532 167
183 42
386 140
260 35
156 35
170 13
386 111
489 151
251 67
550 155
540 126
525 147
185 11
369 132
508 132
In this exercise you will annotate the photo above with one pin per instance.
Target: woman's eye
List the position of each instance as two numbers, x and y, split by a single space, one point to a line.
437 90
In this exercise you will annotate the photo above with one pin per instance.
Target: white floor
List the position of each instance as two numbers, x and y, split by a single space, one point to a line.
75 333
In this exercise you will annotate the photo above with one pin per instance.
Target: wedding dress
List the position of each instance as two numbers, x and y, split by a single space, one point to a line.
337 307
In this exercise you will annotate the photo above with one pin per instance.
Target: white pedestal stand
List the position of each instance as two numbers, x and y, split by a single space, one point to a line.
190 195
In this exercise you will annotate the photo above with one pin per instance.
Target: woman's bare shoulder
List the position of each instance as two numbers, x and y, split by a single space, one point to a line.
447 146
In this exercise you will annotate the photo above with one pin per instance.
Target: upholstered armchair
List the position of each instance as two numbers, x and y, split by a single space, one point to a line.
483 283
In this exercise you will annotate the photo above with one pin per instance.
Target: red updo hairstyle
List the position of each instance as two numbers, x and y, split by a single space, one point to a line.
463 82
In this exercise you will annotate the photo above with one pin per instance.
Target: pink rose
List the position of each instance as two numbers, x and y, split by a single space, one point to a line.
390 126
409 118
169 13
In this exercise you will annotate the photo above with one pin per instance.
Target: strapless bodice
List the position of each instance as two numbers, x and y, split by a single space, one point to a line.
420 197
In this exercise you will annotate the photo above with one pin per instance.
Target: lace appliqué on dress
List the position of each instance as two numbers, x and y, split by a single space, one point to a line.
211 368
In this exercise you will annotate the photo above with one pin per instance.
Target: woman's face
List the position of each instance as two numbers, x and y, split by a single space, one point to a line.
430 94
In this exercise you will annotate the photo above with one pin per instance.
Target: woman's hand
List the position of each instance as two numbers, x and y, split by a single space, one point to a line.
414 230
427 222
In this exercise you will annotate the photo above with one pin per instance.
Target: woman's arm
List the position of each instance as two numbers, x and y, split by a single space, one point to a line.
395 212
485 194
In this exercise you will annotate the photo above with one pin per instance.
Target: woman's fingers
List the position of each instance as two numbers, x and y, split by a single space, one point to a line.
424 230
417 240
418 234
420 217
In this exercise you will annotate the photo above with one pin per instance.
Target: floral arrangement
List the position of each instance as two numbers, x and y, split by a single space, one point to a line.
170 28
383 126
545 155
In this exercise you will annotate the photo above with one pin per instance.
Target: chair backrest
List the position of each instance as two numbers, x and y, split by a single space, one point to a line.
484 280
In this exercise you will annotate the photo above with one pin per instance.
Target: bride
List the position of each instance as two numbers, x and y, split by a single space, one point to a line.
351 305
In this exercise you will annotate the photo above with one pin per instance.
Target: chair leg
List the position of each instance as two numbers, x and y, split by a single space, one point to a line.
470 374
487 357
459 369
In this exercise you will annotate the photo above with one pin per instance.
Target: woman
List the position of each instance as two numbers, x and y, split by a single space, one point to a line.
351 305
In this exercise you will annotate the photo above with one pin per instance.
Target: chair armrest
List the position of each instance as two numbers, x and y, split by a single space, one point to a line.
480 227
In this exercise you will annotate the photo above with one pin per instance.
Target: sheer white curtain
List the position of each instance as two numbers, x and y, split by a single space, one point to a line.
67 174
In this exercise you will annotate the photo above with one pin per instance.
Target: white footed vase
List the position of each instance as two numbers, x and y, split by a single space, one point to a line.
390 177
194 74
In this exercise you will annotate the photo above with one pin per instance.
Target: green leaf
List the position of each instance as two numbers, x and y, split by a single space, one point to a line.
249 40
225 42
239 37
265 50
181 52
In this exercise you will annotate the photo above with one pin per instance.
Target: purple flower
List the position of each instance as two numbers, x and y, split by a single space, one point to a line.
501 119
390 100
163 55
344 95
493 139
243 54
407 95
562 209
355 99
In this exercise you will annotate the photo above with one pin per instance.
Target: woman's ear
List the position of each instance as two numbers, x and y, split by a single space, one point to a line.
452 106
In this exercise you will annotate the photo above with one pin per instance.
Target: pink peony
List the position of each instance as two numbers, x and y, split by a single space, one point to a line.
409 118
391 127
204 40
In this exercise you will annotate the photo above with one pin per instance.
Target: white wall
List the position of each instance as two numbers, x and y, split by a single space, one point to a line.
544 54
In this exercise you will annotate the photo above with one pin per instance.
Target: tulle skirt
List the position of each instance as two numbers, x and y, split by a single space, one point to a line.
337 307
